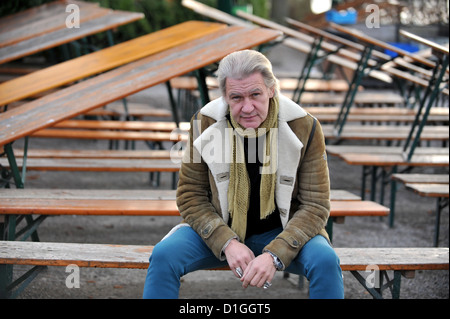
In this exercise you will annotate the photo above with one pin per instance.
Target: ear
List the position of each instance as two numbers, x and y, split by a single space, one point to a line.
271 92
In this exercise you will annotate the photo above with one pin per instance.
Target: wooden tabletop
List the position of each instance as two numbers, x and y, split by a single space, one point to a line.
429 190
44 27
127 80
422 178
31 23
103 60
395 160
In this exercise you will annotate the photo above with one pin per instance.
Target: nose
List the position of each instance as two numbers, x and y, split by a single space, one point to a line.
247 106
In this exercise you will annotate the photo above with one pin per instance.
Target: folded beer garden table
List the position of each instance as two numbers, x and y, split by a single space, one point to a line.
44 27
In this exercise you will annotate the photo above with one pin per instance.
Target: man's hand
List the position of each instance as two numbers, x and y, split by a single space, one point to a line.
238 256
259 271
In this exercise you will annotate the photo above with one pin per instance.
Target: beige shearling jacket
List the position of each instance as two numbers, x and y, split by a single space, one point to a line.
302 185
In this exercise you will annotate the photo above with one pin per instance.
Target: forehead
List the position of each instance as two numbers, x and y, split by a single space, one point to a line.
250 83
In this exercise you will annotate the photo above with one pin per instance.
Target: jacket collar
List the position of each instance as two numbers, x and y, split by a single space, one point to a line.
289 152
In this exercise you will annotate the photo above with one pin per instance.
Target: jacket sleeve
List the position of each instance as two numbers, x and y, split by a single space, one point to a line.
194 199
312 203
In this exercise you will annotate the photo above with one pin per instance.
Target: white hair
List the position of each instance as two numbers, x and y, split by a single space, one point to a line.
241 64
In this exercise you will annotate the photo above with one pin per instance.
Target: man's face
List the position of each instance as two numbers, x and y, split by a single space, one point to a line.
248 99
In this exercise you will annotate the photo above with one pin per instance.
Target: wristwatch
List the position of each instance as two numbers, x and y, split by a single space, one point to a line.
276 261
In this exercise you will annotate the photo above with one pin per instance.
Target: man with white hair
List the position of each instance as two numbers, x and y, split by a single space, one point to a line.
253 189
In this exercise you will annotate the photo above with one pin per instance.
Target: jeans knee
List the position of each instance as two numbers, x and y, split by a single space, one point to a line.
325 261
160 255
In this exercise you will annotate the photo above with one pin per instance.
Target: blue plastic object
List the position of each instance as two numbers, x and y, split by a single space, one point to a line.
349 16
410 48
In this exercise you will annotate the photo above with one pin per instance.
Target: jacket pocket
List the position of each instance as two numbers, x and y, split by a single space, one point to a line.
209 229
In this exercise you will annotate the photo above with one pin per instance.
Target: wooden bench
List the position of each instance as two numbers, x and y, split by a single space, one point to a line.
428 185
385 132
47 202
389 159
402 261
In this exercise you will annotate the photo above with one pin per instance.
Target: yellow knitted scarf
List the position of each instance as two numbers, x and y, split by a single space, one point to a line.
239 187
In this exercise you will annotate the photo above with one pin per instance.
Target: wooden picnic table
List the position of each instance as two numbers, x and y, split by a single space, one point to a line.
44 27
128 79
103 60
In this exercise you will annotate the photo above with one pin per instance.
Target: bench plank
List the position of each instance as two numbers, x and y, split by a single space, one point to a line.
134 194
386 132
123 125
110 135
422 178
97 165
440 160
136 256
98 154
386 150
429 190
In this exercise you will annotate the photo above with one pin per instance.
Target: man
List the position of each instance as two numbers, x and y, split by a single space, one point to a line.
253 189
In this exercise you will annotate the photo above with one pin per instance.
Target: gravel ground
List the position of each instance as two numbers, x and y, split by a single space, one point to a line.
414 227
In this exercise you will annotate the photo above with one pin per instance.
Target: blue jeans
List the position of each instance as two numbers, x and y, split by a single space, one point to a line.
185 251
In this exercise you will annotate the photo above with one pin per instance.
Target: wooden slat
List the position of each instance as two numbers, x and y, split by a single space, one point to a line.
126 80
98 165
98 154
386 132
394 160
82 255
384 150
123 125
429 190
135 194
98 207
85 194
110 135
135 256
103 60
422 178
357 208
